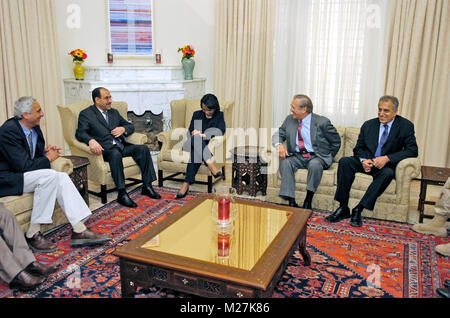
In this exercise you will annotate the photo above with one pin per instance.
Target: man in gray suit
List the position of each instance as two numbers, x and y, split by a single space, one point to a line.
312 142
18 266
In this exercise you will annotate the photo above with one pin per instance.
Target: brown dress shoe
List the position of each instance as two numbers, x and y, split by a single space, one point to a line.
24 281
88 237
37 268
39 243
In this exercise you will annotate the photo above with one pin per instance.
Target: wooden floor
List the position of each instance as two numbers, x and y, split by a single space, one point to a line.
433 193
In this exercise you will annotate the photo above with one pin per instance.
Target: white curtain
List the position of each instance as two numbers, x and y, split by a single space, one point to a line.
334 52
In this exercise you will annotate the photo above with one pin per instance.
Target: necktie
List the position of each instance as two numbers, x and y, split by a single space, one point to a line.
383 139
106 116
30 143
118 142
301 143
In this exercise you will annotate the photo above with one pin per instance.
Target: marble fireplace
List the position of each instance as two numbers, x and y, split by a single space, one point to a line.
147 90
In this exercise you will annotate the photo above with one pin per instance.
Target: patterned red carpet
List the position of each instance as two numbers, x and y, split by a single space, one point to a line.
381 259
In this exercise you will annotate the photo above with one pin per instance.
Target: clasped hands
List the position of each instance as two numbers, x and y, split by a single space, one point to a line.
52 153
378 162
96 148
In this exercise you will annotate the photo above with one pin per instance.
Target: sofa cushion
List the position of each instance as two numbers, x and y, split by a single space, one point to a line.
351 137
341 132
18 203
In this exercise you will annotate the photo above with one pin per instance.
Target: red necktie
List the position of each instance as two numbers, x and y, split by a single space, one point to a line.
301 143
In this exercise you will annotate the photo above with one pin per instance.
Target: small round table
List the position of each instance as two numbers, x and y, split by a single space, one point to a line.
249 171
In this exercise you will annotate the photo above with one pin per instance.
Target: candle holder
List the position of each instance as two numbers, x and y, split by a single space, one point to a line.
224 208
224 237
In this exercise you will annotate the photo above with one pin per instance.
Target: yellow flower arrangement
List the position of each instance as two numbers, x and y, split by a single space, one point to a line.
78 55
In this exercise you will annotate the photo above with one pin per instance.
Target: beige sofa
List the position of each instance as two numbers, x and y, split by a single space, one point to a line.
21 205
392 205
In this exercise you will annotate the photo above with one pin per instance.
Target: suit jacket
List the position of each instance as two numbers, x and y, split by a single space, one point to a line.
15 157
324 137
210 127
92 125
401 142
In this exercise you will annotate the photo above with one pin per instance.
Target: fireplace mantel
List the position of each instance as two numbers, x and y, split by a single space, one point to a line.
143 88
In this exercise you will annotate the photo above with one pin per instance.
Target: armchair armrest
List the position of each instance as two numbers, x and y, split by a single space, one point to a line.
137 138
166 138
97 169
406 170
62 165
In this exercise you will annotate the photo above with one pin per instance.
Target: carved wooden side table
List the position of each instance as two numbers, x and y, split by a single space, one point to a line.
249 172
79 175
430 176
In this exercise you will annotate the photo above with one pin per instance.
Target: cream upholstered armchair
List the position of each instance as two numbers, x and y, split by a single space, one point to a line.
98 170
173 160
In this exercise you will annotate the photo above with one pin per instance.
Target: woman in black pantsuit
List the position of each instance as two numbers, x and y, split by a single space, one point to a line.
205 124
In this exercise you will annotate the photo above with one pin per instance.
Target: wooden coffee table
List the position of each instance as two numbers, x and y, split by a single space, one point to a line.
185 251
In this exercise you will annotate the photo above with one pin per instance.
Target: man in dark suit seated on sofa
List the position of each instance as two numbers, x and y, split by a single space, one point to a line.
104 130
382 143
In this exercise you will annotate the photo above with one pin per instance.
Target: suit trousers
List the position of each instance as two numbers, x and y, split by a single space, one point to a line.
139 153
14 250
290 165
49 186
199 153
348 167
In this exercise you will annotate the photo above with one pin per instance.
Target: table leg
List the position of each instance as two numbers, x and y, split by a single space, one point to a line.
422 196
302 247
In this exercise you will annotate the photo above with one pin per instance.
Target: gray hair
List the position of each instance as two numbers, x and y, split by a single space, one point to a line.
23 105
305 101
393 99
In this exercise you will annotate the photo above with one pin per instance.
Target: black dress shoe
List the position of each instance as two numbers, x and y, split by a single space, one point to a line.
182 195
24 281
356 220
447 283
218 174
37 268
292 203
307 205
150 192
343 212
125 200
443 292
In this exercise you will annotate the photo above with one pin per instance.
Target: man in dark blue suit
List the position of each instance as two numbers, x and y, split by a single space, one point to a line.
382 143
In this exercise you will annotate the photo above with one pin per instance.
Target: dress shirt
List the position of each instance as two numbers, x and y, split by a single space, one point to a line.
27 133
306 134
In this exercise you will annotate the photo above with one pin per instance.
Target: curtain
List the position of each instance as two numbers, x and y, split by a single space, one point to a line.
244 59
331 51
417 73
29 61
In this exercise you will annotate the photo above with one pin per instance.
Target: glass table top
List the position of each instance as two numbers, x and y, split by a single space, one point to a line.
196 235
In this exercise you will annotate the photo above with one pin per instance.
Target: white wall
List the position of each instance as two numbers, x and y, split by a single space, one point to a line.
175 24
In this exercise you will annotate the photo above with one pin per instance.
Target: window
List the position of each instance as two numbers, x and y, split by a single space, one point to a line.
131 27
332 51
